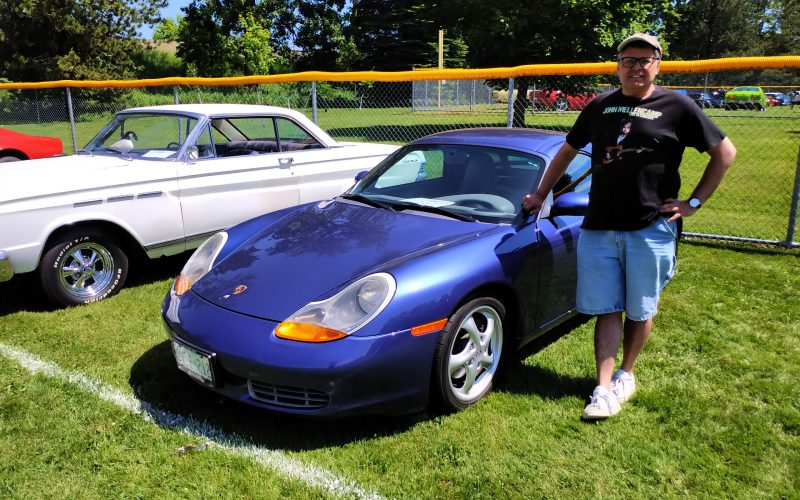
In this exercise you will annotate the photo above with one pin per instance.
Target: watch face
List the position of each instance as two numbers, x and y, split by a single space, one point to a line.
694 203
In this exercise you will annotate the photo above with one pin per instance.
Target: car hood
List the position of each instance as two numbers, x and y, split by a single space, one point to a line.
65 174
321 247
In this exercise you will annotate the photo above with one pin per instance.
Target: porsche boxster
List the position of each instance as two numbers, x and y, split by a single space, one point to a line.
411 288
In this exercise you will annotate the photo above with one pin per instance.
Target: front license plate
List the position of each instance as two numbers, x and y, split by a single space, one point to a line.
195 363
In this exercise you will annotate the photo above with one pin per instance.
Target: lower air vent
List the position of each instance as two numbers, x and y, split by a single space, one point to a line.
287 397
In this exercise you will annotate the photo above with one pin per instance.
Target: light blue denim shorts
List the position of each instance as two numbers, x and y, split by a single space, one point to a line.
625 270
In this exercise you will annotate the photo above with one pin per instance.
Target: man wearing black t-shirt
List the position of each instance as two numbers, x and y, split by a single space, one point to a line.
626 250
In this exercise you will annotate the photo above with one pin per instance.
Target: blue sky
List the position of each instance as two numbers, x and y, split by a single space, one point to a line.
171 10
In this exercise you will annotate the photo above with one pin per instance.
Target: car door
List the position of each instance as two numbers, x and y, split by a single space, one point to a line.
234 172
558 263
547 281
323 172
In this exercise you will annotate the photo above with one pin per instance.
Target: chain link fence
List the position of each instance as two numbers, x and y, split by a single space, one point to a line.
757 202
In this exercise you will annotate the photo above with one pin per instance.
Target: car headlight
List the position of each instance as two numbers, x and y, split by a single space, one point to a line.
200 262
342 314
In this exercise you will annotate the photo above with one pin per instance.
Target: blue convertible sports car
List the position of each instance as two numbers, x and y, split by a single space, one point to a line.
412 287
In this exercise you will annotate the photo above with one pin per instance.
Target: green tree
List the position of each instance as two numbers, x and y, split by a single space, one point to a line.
71 39
393 34
318 35
706 29
167 30
230 37
512 33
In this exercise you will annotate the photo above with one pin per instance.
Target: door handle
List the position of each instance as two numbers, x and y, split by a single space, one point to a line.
285 162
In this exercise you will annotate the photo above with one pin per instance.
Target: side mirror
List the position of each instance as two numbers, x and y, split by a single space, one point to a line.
192 153
570 204
361 175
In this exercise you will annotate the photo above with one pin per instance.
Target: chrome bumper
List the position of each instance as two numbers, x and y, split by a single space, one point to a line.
6 269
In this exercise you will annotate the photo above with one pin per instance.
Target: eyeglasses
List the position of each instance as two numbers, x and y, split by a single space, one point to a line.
644 62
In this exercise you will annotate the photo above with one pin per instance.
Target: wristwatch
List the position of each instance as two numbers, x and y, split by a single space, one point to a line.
695 203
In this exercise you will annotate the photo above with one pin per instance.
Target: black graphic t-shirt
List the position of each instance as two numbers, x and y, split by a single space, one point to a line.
637 146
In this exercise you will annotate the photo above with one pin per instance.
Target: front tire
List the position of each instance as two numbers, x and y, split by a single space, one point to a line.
468 354
561 104
83 267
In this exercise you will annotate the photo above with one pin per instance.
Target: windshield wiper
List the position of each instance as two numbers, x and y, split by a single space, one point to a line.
433 210
367 201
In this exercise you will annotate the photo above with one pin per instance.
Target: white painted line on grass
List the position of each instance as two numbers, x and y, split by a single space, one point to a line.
308 474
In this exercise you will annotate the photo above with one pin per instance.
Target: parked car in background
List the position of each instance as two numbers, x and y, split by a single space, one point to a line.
778 99
558 100
157 181
746 98
390 296
705 99
15 146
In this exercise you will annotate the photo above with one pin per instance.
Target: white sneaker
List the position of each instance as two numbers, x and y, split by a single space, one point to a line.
603 405
623 385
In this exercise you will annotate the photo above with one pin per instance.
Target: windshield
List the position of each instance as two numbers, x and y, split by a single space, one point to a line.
146 135
484 183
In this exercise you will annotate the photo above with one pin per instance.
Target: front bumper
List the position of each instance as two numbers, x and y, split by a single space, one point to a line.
6 268
383 374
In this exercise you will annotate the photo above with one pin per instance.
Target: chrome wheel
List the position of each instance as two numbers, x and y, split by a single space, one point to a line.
86 270
82 267
469 353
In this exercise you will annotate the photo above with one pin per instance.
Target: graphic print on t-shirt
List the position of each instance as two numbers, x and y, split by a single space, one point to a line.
623 142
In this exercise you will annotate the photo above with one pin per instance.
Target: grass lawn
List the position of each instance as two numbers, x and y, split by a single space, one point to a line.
717 413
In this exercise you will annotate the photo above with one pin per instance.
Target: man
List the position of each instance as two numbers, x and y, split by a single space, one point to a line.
627 246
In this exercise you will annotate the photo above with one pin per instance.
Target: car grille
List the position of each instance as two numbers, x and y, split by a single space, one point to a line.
287 397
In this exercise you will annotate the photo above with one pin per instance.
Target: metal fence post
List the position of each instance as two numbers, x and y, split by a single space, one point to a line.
72 121
510 119
314 102
793 209
175 95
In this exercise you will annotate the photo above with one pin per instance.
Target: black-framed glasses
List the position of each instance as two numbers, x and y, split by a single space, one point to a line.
629 62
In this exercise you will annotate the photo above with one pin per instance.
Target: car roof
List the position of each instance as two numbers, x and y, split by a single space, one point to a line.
526 140
216 109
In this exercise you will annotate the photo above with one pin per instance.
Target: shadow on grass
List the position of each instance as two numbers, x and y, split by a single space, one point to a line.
157 381
23 292
525 379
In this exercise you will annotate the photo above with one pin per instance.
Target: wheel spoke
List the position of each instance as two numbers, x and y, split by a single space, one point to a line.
78 256
80 282
459 360
472 330
472 374
68 270
92 259
488 334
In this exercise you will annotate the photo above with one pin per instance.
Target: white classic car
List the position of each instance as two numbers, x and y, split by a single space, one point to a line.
158 181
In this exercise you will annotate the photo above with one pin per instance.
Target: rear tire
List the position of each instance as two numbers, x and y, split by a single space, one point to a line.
561 104
83 267
468 354
6 158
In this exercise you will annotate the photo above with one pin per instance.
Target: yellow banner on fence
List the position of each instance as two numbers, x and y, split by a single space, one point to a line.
701 66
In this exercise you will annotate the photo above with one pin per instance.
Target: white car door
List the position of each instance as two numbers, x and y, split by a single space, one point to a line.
234 174
325 172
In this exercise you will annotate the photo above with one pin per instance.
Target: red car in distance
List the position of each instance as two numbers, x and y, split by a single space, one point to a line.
15 146
558 100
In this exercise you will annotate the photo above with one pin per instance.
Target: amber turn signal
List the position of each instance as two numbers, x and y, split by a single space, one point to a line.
433 326
307 332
